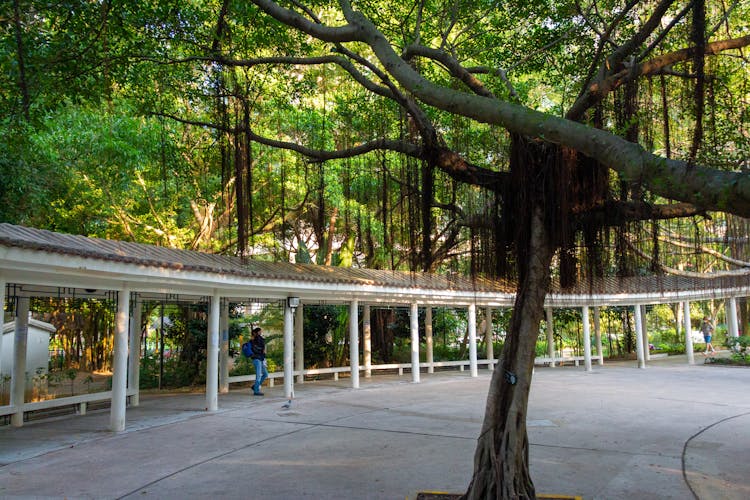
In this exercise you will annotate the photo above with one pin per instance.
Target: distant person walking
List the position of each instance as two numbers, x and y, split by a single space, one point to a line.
259 360
707 329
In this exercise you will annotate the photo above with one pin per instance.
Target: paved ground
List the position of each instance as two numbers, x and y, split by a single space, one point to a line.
670 431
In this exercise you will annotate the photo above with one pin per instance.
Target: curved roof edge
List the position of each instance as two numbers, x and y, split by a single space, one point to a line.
48 258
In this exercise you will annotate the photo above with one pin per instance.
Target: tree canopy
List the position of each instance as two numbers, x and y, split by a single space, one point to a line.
534 140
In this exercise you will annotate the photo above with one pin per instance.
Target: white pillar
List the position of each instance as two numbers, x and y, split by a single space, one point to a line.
598 335
367 340
644 331
734 330
224 347
488 338
134 357
429 340
2 315
688 333
18 379
414 326
473 340
212 358
288 351
120 362
550 336
586 339
299 343
639 337
354 342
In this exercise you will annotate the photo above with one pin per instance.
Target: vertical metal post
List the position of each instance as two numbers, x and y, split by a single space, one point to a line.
598 335
367 340
473 340
288 351
429 341
414 327
134 358
161 346
354 342
488 338
550 336
299 343
224 348
2 315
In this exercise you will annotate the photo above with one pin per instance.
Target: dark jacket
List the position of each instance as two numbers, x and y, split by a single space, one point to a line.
259 347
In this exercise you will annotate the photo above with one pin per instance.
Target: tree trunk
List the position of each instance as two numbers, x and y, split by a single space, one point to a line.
501 460
23 84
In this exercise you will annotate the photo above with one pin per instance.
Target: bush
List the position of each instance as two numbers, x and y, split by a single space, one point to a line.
740 347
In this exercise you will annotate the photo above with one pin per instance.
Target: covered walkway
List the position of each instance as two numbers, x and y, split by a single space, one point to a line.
37 263
671 431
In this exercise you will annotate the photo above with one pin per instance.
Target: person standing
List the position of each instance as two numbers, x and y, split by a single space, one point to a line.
707 329
259 360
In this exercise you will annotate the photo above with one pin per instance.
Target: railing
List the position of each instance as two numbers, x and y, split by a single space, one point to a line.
81 400
335 371
401 367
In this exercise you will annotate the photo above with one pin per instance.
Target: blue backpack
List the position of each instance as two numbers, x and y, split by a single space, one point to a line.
247 349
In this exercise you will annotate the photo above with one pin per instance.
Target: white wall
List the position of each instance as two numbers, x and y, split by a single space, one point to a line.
37 351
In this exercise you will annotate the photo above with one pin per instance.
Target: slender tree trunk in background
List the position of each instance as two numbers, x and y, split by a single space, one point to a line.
501 460
22 83
329 238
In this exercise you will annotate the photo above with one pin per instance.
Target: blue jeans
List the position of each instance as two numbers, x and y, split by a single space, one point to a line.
261 374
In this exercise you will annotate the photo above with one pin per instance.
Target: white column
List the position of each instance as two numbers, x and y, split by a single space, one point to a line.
473 340
639 337
644 331
134 357
367 340
212 358
488 338
120 362
18 379
734 330
224 347
586 339
288 351
2 315
429 340
299 343
688 333
414 326
354 342
598 335
550 336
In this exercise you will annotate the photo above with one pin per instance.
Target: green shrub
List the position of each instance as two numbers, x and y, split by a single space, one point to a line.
740 347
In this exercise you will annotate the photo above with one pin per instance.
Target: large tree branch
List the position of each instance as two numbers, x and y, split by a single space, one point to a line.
614 62
690 274
656 65
708 189
615 213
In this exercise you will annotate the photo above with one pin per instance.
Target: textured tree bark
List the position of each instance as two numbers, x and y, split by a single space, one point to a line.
501 460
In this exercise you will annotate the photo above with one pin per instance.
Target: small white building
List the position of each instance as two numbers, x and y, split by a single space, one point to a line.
37 348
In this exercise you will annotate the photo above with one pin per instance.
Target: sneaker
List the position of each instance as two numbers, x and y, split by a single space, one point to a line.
258 394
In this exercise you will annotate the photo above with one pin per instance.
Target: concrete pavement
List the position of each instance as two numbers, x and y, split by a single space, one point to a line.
669 431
